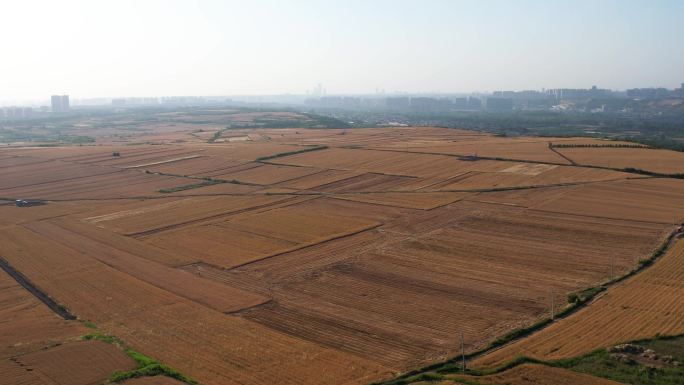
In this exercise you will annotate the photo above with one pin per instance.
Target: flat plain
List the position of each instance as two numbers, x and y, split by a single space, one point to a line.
320 256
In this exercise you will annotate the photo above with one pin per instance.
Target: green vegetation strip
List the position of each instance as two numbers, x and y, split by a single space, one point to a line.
147 367
575 301
208 182
598 145
282 154
599 363
216 135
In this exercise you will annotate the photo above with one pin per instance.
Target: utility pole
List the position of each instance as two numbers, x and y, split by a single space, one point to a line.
463 352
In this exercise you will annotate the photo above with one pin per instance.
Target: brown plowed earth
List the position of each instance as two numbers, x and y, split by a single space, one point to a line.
369 294
181 213
661 161
647 304
266 174
352 264
530 374
646 199
74 363
218 296
422 201
366 182
207 345
263 233
117 184
26 324
391 162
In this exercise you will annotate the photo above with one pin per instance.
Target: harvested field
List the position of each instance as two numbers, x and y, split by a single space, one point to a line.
525 149
224 349
660 161
202 165
345 265
267 174
35 174
26 324
75 363
249 236
119 184
648 199
391 162
248 152
646 305
371 300
368 182
220 297
540 177
531 374
179 213
321 178
422 201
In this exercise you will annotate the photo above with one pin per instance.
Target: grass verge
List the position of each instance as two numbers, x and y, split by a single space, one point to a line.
598 363
147 366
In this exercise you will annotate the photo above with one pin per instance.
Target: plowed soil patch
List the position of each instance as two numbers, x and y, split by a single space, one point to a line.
111 185
26 324
76 363
661 161
423 200
214 348
556 175
178 213
391 162
371 299
249 236
648 199
650 303
319 179
217 296
540 375
267 174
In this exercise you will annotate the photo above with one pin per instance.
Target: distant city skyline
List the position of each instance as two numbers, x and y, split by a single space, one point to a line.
267 47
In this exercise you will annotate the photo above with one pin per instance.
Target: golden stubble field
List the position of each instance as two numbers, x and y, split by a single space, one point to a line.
311 256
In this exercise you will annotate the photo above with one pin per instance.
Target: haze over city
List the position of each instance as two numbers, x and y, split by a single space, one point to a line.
129 48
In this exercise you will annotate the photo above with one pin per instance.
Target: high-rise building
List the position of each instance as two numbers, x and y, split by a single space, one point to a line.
56 103
59 103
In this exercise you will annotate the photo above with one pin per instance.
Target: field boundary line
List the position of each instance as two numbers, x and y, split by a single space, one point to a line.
307 245
173 226
24 282
553 149
520 334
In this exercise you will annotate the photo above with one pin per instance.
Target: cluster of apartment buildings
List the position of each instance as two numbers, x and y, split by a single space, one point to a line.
548 99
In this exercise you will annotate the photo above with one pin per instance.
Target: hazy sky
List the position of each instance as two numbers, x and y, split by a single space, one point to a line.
136 48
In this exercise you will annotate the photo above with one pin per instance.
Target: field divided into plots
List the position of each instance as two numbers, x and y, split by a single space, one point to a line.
646 305
345 265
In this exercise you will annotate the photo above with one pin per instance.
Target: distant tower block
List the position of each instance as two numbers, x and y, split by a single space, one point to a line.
65 103
56 103
59 103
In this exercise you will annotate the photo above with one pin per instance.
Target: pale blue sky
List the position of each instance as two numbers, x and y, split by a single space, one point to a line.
95 48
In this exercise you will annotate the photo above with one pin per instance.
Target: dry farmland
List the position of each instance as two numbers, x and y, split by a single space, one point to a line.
541 375
648 304
258 256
